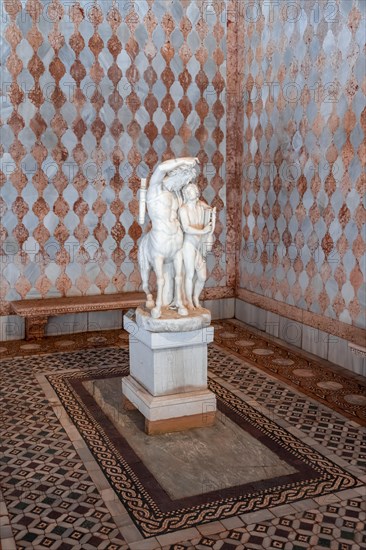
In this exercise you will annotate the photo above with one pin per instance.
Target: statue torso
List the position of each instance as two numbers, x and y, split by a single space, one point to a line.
162 206
196 215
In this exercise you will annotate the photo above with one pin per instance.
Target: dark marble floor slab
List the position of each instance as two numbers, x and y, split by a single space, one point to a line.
196 461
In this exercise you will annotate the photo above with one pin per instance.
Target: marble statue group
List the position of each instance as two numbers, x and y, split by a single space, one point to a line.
181 235
169 336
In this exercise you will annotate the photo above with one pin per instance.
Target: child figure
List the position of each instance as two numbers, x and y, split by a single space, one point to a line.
198 224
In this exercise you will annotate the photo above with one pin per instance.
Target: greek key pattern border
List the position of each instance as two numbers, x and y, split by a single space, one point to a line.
145 513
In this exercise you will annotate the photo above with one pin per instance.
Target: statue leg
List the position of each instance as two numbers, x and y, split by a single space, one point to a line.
145 267
145 286
201 273
168 284
178 266
159 271
188 258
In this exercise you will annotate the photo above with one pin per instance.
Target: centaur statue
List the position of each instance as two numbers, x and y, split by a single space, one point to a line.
161 249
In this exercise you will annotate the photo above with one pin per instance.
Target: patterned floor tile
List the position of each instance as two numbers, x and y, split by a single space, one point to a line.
49 495
338 388
325 382
140 491
52 501
316 420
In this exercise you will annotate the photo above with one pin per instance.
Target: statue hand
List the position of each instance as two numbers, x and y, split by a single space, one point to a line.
207 229
192 161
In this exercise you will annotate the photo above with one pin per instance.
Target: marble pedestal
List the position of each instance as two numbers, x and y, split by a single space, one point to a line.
168 378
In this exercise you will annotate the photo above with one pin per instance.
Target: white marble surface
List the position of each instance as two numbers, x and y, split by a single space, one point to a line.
168 371
12 327
105 320
71 323
223 308
290 331
316 341
341 354
183 462
162 340
168 363
358 350
167 406
252 315
84 322
272 326
179 224
171 321
320 343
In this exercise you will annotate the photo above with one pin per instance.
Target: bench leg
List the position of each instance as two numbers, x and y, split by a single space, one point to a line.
34 327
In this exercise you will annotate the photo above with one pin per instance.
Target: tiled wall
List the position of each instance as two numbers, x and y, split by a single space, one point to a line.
95 95
303 176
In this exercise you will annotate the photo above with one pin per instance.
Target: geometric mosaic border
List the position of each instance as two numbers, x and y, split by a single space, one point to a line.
151 509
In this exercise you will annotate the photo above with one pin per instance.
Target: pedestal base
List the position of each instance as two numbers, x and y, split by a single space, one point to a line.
180 424
168 377
170 413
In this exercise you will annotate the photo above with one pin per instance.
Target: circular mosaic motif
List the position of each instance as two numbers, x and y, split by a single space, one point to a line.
283 361
228 334
123 335
30 346
65 343
355 399
329 385
245 343
263 351
97 340
304 373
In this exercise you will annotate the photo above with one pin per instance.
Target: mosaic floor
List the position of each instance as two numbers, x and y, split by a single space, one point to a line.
316 378
56 495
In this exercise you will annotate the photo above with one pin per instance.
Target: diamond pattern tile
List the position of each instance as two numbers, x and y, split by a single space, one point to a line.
303 176
316 421
97 95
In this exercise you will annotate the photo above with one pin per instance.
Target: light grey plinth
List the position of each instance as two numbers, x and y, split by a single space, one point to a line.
168 372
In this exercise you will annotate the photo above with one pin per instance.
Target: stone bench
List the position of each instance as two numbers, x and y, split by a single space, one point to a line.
37 311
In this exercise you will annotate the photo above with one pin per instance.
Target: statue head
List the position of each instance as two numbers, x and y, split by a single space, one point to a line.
179 177
190 192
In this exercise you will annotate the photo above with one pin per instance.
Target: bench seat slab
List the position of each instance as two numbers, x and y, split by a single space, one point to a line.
36 311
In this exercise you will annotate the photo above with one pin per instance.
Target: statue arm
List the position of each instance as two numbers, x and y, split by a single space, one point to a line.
189 229
171 164
168 165
213 220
